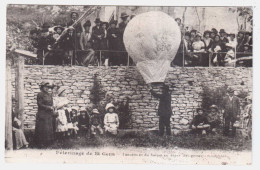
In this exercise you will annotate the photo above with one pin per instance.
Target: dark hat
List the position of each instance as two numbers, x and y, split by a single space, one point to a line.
222 31
45 27
59 26
214 30
106 23
124 15
97 20
74 12
206 32
113 22
230 90
193 31
87 24
187 33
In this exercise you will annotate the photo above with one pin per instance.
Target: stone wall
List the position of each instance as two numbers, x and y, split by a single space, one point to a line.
126 81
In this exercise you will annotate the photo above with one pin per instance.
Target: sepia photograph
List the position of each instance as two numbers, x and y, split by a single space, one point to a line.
129 84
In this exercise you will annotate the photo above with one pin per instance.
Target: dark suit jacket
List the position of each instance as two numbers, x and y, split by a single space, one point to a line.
231 107
164 108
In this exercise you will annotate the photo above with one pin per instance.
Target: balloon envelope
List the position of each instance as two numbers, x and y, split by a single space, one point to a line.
152 40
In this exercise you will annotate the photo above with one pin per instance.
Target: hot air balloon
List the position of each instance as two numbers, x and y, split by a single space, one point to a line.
152 40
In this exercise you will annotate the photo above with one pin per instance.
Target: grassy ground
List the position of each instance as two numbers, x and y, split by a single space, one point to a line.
152 140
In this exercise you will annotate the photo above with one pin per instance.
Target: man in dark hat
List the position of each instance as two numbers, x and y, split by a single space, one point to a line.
213 33
231 112
113 42
44 45
122 26
223 39
164 109
97 33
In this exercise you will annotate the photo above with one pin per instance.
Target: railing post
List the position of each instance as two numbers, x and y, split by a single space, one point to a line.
100 60
8 107
128 60
43 57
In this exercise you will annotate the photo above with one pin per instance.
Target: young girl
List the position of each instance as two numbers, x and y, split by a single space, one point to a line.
111 121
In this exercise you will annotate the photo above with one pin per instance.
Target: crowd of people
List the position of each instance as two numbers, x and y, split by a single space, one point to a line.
102 44
213 47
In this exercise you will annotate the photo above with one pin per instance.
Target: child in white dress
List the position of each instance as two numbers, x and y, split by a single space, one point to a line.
111 121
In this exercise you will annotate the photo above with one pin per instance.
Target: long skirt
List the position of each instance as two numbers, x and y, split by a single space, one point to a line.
44 133
19 138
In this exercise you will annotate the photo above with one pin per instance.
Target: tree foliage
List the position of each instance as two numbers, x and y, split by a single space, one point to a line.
96 93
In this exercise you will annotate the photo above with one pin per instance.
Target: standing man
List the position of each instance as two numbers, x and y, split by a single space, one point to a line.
231 113
122 25
164 109
78 29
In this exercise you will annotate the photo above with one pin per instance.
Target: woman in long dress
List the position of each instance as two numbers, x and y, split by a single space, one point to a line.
44 134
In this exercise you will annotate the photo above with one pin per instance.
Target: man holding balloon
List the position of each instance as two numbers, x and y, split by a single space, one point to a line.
164 109
152 39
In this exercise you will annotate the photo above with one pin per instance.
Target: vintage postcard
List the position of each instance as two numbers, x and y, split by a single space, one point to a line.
129 84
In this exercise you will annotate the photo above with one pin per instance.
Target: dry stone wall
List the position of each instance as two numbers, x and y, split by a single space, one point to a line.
185 84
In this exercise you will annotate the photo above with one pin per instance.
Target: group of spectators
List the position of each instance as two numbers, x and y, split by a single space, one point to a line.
213 48
84 45
102 44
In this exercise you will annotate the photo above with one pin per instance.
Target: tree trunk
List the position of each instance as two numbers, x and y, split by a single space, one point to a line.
8 107
197 16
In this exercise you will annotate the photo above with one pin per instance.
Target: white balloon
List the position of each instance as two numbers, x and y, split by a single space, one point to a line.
152 40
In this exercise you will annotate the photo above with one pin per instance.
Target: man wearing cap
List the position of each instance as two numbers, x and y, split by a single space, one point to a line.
164 109
231 112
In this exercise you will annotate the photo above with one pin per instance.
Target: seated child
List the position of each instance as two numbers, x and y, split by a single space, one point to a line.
72 120
83 122
213 118
199 123
19 138
95 122
111 121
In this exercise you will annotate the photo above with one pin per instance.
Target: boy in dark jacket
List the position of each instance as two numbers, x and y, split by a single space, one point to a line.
200 123
95 122
83 123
